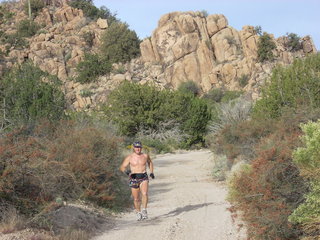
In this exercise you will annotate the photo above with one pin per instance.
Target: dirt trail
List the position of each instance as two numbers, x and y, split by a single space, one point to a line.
184 203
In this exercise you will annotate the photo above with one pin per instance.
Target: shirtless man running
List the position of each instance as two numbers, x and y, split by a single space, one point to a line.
138 178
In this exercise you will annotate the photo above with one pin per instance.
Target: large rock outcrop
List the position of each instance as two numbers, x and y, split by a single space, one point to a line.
186 46
206 50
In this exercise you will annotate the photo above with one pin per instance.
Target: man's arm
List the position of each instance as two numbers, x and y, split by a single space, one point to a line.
125 164
150 165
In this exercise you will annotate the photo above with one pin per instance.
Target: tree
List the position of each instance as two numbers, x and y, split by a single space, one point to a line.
119 43
265 47
291 87
25 97
308 161
133 107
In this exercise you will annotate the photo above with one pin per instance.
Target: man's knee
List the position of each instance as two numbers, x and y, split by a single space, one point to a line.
144 194
136 199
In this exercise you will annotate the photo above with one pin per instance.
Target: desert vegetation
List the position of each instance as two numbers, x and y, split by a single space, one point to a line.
271 151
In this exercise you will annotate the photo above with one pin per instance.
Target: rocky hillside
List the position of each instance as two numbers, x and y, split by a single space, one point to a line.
186 46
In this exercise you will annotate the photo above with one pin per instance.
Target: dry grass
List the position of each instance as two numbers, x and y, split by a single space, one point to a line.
72 234
11 221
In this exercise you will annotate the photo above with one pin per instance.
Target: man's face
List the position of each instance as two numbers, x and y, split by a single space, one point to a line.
137 150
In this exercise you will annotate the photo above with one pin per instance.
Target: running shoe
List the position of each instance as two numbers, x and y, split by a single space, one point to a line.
139 216
144 214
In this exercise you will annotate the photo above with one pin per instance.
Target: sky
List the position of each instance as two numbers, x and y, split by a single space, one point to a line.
277 17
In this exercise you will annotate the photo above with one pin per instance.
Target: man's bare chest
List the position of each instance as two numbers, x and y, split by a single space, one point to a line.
138 160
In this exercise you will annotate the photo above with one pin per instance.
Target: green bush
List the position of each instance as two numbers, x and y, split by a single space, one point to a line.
5 14
88 38
119 43
214 95
15 41
93 12
27 28
292 87
243 80
265 47
294 42
92 67
308 161
134 107
230 95
36 7
189 86
218 95
25 97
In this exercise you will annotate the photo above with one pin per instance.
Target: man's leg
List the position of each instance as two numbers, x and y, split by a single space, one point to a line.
136 199
136 202
144 195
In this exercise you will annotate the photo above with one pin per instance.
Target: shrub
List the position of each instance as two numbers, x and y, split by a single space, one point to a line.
214 95
14 41
27 98
42 163
92 67
294 42
36 7
88 38
265 47
292 87
93 12
307 159
230 95
270 189
230 113
27 28
189 86
243 80
119 43
258 30
5 14
133 107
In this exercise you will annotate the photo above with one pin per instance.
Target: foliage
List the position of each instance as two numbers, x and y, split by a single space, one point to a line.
5 14
134 107
14 41
243 80
293 87
27 28
268 190
92 67
214 95
119 43
230 113
189 86
294 42
25 97
218 95
93 12
258 30
205 13
230 95
41 163
165 138
265 47
308 161
88 38
36 7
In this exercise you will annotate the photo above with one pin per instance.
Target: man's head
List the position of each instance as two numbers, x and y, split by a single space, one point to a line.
137 146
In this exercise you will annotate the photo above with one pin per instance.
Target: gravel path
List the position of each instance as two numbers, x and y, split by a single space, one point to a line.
184 203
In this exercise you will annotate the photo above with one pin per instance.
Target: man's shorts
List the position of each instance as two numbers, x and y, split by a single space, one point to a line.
136 179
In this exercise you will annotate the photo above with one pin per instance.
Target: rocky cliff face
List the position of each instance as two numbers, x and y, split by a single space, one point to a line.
192 47
186 46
